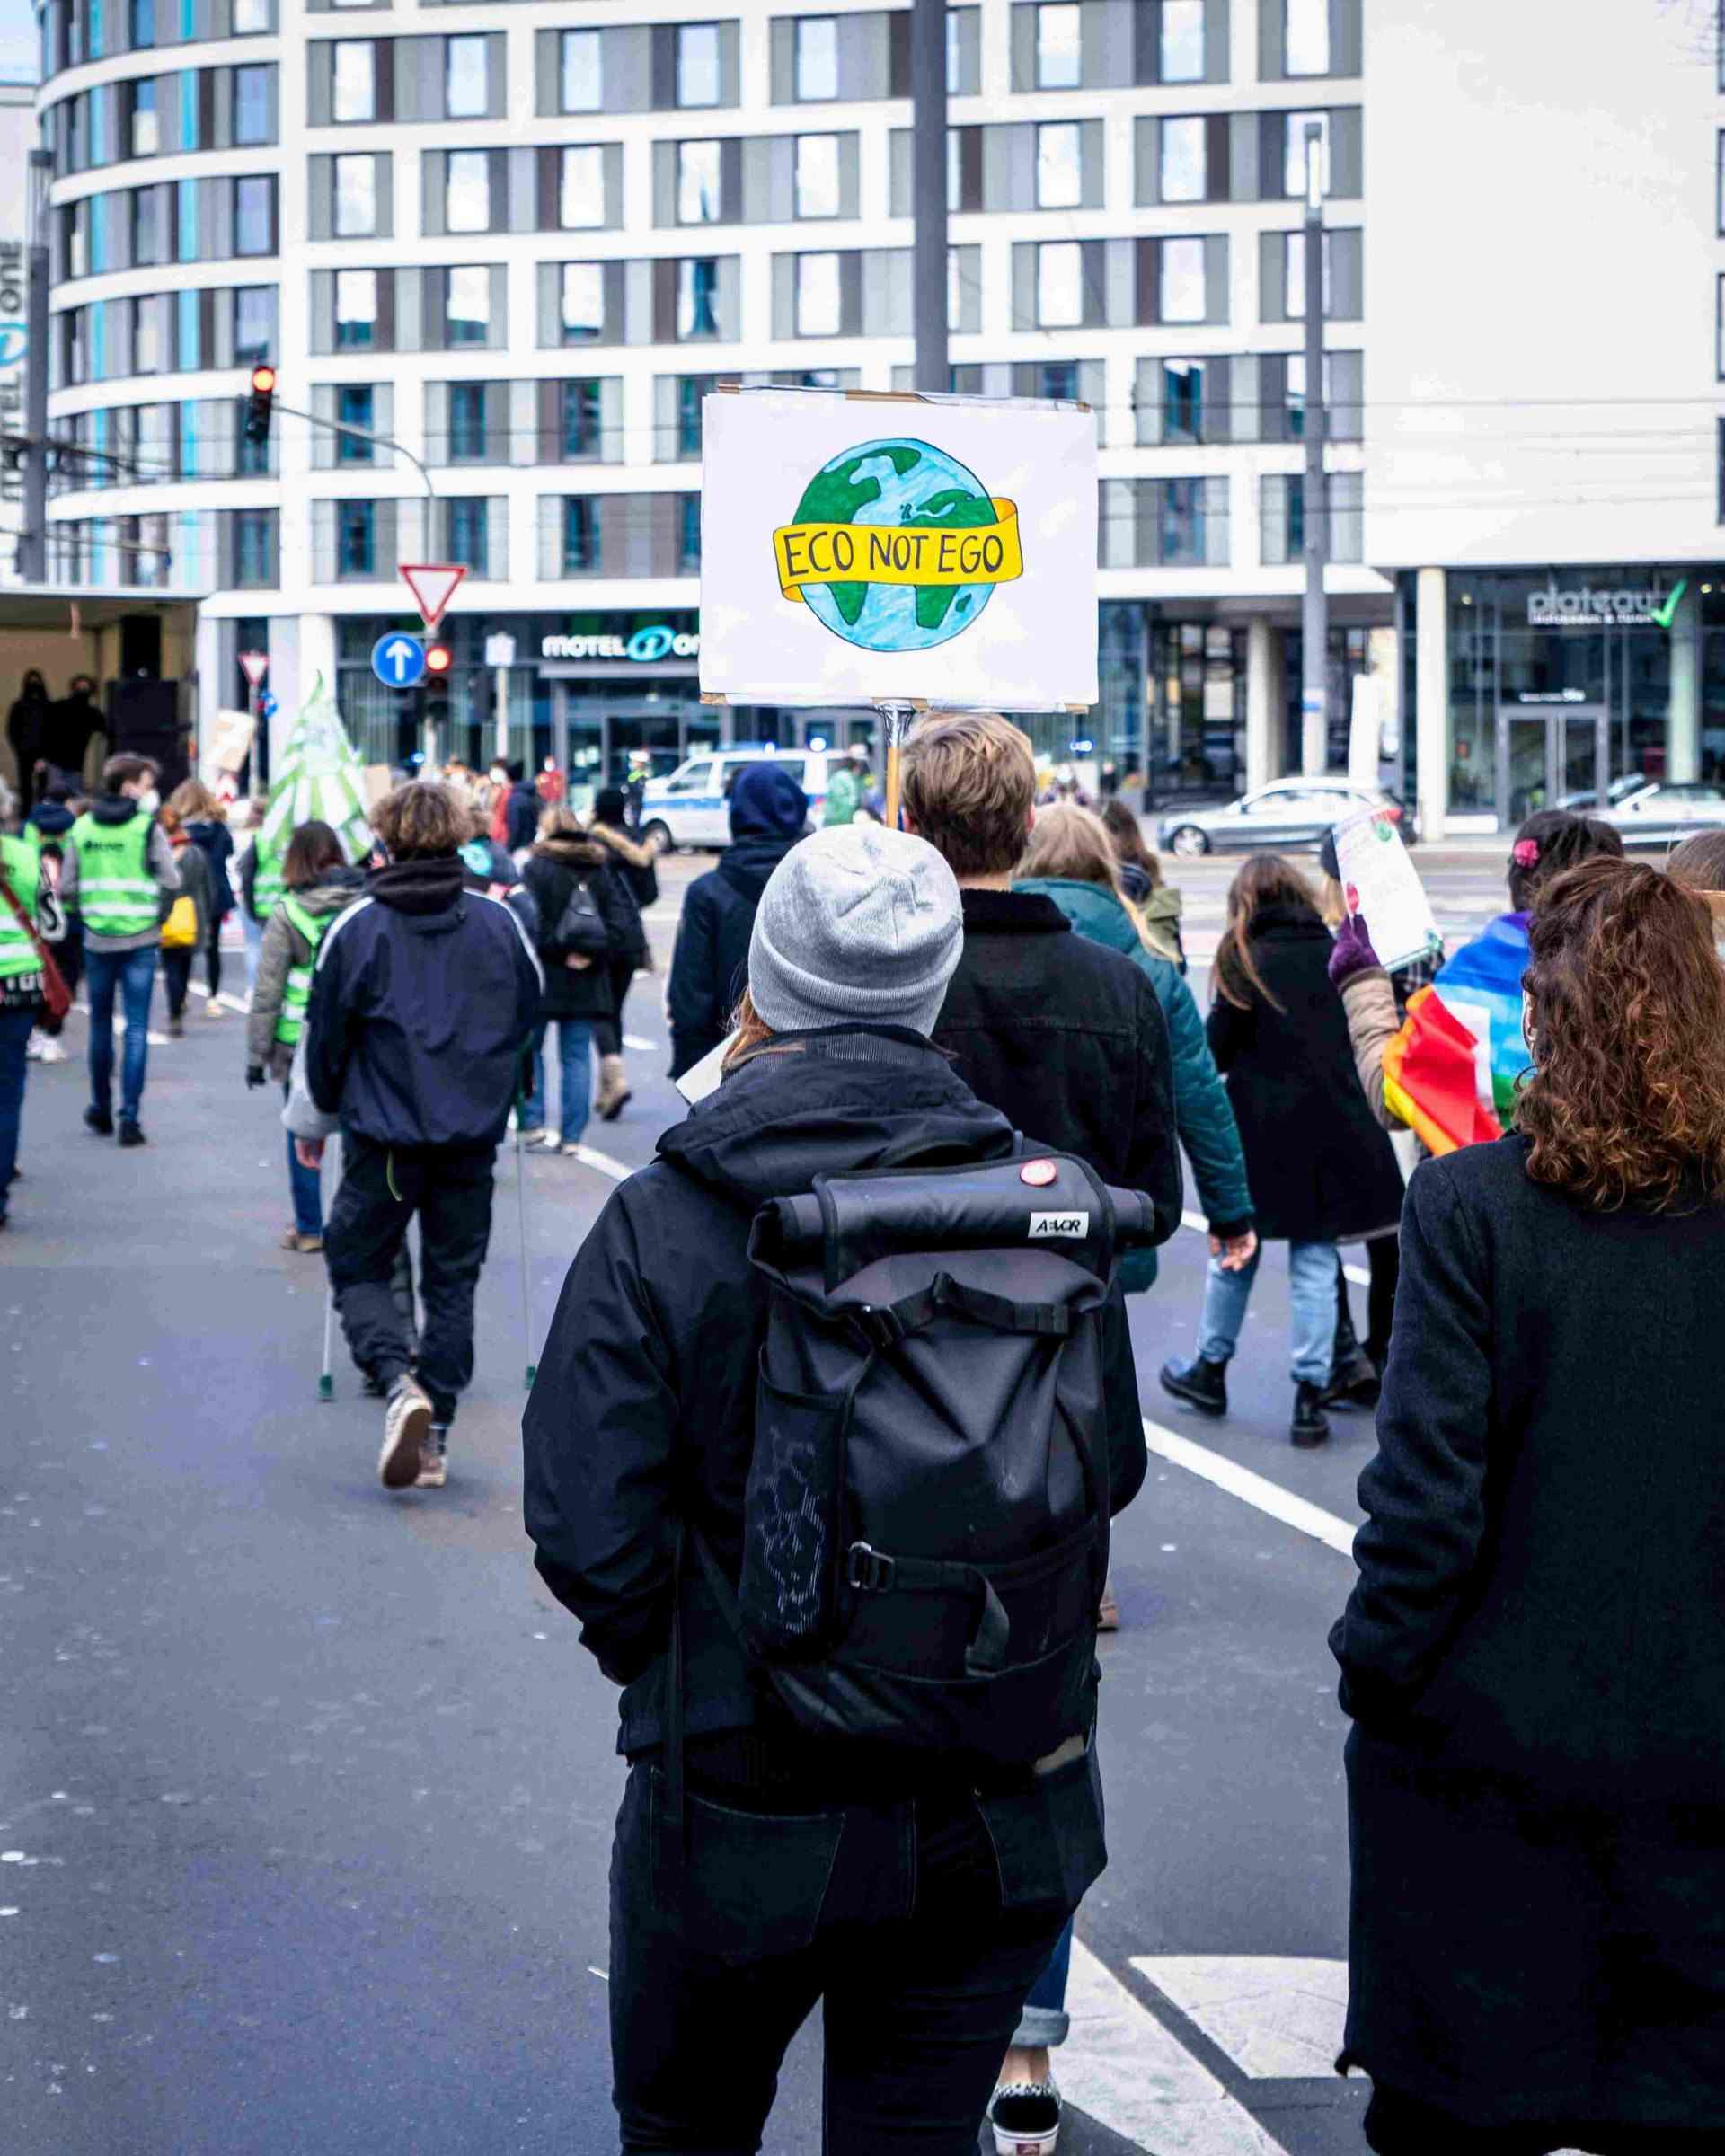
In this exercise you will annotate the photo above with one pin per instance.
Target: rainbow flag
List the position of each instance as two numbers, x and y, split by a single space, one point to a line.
1461 1050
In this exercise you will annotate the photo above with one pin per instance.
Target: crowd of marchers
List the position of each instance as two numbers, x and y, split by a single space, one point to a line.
839 1400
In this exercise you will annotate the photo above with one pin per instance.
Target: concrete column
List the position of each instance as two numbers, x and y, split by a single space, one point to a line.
1431 702
1266 696
1683 710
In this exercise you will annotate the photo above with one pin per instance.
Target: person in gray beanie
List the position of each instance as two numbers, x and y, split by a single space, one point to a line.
828 1866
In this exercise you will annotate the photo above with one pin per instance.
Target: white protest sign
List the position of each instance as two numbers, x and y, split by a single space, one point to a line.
1380 881
880 550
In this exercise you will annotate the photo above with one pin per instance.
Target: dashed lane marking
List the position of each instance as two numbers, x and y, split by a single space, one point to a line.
1265 1497
589 1156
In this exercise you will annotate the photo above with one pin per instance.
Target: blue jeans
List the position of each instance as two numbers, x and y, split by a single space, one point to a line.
15 1038
575 1057
1045 2023
306 1184
253 945
133 972
1312 1310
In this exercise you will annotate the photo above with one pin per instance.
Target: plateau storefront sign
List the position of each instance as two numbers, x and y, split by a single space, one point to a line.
1601 606
656 642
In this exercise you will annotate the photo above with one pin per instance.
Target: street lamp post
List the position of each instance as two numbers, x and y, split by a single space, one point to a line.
1314 613
32 540
928 191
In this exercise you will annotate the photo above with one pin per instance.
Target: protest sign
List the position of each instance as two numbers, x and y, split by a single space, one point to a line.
1380 881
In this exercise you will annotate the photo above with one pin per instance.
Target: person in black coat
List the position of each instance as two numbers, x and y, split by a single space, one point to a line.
1534 1655
578 982
27 729
1320 1169
634 873
769 813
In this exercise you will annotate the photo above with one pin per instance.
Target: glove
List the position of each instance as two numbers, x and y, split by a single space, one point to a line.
1352 954
253 1074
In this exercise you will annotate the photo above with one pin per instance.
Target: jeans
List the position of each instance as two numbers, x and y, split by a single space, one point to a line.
1312 1310
575 1092
894 1915
133 974
14 1038
1045 2022
253 943
381 1187
306 1184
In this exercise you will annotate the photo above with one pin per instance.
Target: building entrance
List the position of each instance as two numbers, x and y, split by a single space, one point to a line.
1547 752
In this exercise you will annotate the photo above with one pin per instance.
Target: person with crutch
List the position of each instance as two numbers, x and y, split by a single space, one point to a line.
424 996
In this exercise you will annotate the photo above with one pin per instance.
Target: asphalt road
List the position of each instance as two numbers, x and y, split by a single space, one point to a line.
307 1791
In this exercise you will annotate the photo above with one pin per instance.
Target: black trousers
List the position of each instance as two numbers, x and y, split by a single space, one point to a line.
213 956
381 1191
1399 2125
607 1030
890 1914
176 977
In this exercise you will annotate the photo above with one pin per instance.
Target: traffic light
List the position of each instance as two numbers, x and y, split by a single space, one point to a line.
258 405
439 659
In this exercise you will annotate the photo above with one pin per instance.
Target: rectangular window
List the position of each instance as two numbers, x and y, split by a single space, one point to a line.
254 547
467 305
1183 400
147 132
252 106
1294 157
1719 361
1059 53
146 227
468 531
583 302
816 58
817 193
1059 164
1181 298
149 342
580 534
581 409
467 192
818 296
1721 455
697 293
250 18
355 406
467 422
1307 30
466 89
354 196
1721 170
255 325
1182 178
1293 275
1057 379
1183 507
1181 56
356 539
354 94
697 182
580 189
688 533
697 64
690 391
356 310
143 16
1059 285
251 459
583 71
255 208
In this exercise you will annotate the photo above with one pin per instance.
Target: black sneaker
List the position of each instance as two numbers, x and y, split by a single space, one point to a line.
1200 1383
1309 1426
100 1120
130 1133
1025 2116
1355 1383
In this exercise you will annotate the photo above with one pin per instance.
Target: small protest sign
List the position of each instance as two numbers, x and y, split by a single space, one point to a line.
1380 881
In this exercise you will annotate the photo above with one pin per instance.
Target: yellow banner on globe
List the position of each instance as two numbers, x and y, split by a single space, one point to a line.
896 554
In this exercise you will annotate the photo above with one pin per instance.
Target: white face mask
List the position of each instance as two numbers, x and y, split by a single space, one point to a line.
149 801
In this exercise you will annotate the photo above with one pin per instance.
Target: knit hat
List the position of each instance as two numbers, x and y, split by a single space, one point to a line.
857 923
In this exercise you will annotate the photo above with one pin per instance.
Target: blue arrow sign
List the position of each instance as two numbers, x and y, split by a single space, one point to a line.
267 705
398 661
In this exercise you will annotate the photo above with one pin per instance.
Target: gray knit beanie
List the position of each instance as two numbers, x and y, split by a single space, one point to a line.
857 922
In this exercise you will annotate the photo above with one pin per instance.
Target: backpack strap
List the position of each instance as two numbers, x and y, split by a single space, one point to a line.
884 1324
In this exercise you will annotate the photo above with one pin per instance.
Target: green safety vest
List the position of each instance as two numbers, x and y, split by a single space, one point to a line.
297 992
116 894
266 886
21 867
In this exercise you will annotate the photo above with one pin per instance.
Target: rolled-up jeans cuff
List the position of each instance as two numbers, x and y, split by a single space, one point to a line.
1041 2029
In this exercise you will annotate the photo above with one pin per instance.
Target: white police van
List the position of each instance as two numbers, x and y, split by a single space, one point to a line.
692 807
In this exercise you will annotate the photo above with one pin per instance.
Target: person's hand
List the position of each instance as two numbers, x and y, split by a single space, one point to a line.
1235 1253
254 1075
309 1152
1351 953
575 962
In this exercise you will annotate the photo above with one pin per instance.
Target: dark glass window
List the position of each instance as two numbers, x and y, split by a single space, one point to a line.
581 418
254 215
689 392
468 531
467 422
143 23
254 546
689 533
580 534
356 539
355 406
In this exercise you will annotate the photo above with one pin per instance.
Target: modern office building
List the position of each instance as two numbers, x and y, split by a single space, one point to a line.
524 239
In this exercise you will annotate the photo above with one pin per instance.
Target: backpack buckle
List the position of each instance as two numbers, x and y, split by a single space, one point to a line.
879 1327
869 1570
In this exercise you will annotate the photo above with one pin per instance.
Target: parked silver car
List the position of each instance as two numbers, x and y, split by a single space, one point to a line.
1667 811
1287 813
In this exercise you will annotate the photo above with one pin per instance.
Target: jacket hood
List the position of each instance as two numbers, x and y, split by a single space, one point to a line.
114 809
832 1103
579 855
620 844
766 802
748 865
1095 913
1162 904
53 819
426 886
332 892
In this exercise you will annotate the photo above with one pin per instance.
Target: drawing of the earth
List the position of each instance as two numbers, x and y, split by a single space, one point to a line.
897 482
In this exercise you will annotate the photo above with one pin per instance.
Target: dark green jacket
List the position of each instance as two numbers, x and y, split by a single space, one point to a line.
1202 1114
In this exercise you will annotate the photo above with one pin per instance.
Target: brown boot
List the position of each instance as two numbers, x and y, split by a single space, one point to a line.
614 1095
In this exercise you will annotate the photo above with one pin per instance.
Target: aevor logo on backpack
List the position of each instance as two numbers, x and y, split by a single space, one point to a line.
1061 1227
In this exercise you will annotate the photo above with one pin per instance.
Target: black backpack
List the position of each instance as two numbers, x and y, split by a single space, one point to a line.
581 926
925 1521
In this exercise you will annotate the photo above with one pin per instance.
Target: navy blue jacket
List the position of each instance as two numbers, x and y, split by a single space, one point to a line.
424 996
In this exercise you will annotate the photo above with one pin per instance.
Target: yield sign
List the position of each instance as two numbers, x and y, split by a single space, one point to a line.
433 586
254 665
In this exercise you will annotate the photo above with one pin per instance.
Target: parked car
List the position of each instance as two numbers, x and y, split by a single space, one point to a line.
692 806
1617 792
1288 812
1667 812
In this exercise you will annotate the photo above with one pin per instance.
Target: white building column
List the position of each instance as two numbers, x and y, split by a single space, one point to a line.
1431 702
1682 709
1266 696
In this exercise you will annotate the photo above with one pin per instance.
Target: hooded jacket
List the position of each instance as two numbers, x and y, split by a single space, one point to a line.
214 842
117 809
644 1404
769 813
282 947
553 868
522 816
423 999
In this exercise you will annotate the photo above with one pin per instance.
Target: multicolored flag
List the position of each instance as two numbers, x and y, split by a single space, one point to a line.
320 775
1452 1071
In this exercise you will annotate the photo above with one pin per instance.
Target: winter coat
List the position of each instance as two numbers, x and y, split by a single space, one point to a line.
521 821
424 997
1320 1168
49 821
552 870
1534 1657
121 808
214 842
634 876
1067 1041
27 731
1202 1116
282 947
645 1396
194 884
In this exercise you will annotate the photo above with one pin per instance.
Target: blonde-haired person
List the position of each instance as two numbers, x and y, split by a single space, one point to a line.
204 816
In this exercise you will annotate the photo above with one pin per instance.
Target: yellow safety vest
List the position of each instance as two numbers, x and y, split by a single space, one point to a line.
116 894
296 994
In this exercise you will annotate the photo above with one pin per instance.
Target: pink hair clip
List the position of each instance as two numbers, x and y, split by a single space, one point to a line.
1524 854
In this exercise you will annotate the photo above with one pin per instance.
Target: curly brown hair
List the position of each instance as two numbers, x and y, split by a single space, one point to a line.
421 821
1626 1010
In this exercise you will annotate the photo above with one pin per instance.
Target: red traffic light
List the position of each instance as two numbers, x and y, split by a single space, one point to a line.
438 658
263 381
260 403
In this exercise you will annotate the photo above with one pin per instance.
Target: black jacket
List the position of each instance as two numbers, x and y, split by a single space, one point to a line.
645 1396
214 842
553 870
524 813
1319 1167
424 995
1535 1652
1067 1040
710 966
634 878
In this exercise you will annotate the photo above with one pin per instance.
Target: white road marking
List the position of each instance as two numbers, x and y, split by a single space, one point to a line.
590 1157
1200 1227
1253 1490
640 1046
1278 2018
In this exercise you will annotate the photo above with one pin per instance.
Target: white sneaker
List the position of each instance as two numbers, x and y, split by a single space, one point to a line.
36 1048
212 1009
407 1422
50 1051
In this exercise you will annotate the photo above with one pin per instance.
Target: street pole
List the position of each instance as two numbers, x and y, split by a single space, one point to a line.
500 711
32 542
928 191
1315 614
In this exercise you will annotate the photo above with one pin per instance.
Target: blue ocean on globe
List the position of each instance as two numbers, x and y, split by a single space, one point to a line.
897 482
